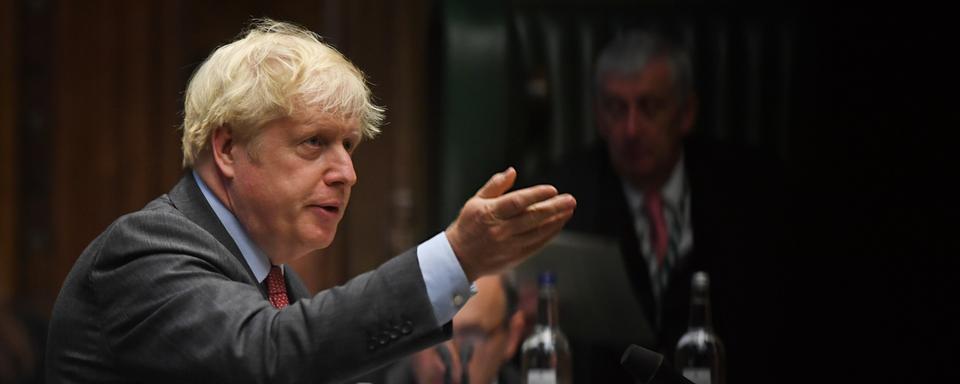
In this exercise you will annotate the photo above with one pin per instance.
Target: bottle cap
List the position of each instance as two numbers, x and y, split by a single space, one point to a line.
700 280
547 278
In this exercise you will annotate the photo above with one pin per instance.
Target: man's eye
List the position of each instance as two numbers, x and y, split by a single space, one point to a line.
313 141
643 104
615 107
348 145
652 106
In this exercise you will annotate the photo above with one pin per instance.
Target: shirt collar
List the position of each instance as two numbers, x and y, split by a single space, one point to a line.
672 191
258 261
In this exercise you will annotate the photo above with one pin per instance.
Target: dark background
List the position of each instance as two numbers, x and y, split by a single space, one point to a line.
855 100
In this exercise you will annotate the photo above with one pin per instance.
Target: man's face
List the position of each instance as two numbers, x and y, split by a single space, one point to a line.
643 122
480 328
481 331
292 182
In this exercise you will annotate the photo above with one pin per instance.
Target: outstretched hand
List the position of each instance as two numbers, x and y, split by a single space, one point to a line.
497 230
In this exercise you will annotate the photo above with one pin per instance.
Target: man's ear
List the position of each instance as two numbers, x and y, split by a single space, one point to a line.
221 142
514 335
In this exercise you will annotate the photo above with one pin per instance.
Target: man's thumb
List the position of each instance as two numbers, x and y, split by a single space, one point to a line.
498 184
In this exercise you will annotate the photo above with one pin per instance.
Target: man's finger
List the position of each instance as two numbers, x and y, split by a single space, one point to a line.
540 236
546 227
540 213
498 184
516 202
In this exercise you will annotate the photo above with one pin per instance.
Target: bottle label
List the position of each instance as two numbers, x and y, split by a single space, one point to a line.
697 375
542 376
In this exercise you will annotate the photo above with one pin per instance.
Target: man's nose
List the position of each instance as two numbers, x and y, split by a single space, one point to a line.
450 355
340 170
634 123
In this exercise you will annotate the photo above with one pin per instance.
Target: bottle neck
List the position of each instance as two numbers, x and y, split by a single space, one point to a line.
548 311
700 310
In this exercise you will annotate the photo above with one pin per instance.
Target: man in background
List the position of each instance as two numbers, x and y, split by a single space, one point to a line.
194 287
676 205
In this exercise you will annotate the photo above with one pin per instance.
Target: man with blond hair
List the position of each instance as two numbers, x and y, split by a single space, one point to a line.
193 287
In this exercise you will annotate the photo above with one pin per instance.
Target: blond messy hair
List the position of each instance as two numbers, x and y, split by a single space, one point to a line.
275 70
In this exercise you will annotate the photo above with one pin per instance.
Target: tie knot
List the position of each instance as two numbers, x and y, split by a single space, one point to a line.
277 288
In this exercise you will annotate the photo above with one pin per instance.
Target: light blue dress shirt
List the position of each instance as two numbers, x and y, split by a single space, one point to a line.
447 285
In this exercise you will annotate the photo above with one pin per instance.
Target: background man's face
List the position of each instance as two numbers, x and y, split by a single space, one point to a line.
293 183
479 329
643 121
481 324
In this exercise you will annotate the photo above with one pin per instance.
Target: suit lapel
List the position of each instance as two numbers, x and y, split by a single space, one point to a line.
636 265
189 200
616 216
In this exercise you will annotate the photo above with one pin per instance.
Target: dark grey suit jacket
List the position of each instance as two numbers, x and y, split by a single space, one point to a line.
163 295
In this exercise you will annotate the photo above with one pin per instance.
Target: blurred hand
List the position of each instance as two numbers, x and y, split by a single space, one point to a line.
497 230
428 367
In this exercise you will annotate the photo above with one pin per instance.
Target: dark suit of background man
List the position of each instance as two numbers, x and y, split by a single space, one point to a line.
192 288
677 206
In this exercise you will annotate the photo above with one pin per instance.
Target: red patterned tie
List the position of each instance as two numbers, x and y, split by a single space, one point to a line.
658 224
277 288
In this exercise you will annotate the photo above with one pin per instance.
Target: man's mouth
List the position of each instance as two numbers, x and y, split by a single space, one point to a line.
331 208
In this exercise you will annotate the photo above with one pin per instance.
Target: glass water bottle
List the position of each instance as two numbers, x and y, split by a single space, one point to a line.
700 355
546 353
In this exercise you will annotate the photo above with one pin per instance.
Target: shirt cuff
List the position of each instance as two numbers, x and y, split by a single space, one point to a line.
447 284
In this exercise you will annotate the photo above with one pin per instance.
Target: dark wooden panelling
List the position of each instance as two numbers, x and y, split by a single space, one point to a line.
8 175
113 137
409 203
367 228
35 118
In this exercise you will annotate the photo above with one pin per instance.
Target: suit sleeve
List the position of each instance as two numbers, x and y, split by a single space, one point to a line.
175 309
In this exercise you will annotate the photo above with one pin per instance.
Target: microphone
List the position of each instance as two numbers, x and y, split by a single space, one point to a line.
647 367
